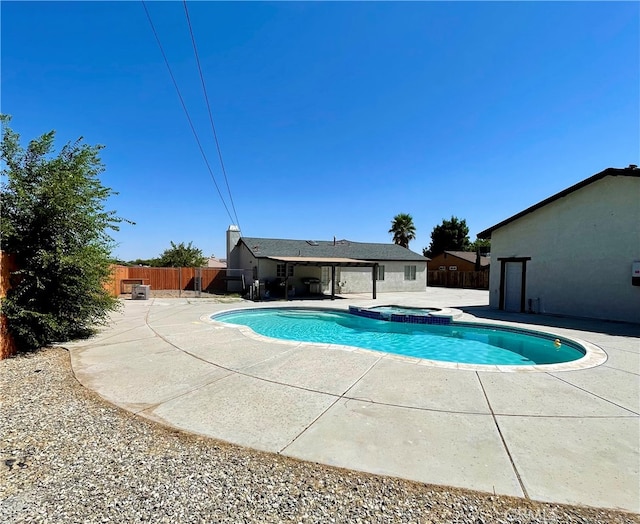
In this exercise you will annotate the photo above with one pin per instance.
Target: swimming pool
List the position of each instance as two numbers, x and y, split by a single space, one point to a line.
460 342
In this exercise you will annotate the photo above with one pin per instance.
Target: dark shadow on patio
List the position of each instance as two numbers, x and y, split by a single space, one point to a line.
625 329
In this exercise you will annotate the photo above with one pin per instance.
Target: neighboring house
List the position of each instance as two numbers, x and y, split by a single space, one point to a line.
216 263
458 261
309 267
573 253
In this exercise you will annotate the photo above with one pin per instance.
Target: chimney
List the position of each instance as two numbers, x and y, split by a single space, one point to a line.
233 236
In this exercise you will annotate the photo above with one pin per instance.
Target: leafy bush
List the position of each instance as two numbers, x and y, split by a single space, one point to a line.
55 225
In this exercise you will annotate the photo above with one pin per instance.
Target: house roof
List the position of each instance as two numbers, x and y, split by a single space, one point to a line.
469 256
323 261
360 251
632 170
216 263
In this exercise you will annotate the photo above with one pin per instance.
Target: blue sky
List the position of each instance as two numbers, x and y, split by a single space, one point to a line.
332 117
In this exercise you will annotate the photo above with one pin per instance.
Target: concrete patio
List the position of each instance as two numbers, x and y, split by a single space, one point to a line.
557 436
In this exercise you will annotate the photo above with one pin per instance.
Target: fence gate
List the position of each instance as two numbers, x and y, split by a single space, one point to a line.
197 282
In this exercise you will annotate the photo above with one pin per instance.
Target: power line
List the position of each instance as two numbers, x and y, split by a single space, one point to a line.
184 107
206 97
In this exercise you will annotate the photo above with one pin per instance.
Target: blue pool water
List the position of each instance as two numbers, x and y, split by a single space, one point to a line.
457 342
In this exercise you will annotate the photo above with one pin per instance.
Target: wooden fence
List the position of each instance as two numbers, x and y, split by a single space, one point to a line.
7 345
459 279
211 280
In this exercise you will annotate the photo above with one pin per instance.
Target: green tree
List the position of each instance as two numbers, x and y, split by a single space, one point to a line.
151 262
451 235
403 229
481 245
55 225
182 255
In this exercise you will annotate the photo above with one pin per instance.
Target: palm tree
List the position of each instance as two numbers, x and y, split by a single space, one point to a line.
403 229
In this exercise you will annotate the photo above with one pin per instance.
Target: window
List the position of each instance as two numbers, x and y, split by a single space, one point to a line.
409 272
380 275
442 268
280 271
453 268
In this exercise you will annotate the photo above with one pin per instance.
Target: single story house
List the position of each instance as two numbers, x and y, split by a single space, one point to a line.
458 261
575 253
312 267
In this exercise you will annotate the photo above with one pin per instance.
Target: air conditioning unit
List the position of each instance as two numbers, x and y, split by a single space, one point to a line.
140 292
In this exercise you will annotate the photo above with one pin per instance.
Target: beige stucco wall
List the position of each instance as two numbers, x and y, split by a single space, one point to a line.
358 279
582 247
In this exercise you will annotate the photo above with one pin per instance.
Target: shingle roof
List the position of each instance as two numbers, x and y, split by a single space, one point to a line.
632 170
470 256
275 247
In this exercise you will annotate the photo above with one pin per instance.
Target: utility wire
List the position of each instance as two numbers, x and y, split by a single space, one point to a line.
184 107
206 97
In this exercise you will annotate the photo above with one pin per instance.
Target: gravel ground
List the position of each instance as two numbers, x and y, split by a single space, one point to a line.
69 456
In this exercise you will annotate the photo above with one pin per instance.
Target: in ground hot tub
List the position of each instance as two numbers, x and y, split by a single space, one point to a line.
406 314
